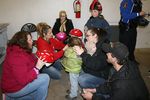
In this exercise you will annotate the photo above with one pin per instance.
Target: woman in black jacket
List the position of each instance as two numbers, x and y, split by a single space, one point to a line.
62 24
94 65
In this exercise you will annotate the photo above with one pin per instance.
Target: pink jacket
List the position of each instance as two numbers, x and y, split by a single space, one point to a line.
18 69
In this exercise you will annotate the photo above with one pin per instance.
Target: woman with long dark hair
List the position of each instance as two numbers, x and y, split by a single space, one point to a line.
20 75
94 66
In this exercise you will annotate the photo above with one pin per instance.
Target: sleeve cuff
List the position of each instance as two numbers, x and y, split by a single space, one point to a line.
36 70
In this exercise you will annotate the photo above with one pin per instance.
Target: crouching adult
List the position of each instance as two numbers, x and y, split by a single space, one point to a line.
20 75
125 82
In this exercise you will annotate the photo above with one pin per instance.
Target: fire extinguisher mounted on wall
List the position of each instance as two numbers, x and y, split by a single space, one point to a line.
77 8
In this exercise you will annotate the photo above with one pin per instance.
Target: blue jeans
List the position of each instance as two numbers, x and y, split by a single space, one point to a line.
89 81
36 90
54 70
74 84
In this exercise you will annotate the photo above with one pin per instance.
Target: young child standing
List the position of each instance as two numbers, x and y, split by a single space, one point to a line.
72 62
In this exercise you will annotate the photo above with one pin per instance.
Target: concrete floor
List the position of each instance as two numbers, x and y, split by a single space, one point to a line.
57 88
143 56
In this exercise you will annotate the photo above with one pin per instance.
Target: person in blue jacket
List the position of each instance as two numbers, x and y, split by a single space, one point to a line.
130 11
97 20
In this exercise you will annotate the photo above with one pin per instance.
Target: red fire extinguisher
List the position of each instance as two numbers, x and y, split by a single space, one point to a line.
77 8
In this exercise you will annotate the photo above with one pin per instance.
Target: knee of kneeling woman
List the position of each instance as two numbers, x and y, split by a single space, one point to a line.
45 78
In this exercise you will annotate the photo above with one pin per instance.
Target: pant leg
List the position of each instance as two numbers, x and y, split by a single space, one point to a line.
42 91
132 43
74 84
89 81
127 36
20 98
38 87
52 72
57 64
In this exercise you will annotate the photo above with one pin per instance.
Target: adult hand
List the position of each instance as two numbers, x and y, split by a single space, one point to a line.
79 50
90 90
65 47
87 95
40 63
142 13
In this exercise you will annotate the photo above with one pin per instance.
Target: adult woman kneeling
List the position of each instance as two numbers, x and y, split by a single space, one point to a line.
95 67
20 75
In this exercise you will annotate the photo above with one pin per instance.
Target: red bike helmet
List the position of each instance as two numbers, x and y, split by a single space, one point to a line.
76 32
61 36
47 56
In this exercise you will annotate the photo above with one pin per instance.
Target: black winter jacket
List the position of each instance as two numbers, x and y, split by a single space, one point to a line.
99 22
69 26
96 64
126 84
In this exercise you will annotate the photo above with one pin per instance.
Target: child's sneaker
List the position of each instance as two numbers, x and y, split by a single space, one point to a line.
70 98
68 91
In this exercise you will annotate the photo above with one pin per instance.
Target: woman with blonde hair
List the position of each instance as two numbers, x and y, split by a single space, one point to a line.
52 46
62 24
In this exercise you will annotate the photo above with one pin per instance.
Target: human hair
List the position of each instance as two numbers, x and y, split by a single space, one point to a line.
62 12
121 61
75 41
20 39
39 27
98 31
44 29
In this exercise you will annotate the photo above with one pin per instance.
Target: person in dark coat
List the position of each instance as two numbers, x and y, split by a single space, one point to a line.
62 24
97 20
94 67
130 11
125 81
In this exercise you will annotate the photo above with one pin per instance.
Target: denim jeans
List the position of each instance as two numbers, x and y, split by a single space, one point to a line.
36 90
74 84
54 70
89 81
